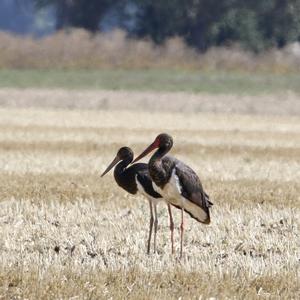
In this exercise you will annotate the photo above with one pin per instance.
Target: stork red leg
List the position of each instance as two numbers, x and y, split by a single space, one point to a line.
155 226
171 228
181 232
150 229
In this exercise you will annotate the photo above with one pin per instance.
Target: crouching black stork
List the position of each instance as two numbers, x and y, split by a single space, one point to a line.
177 183
136 179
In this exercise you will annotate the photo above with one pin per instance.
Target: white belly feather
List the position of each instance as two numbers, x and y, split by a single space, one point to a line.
172 190
172 194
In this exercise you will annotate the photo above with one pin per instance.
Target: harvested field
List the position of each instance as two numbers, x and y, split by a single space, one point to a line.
68 234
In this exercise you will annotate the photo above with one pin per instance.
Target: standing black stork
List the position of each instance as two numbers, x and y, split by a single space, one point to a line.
136 179
177 183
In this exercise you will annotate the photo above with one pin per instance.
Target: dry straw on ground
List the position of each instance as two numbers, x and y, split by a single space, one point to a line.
67 234
79 49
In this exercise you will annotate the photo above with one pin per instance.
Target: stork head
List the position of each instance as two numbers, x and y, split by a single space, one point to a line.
124 153
163 141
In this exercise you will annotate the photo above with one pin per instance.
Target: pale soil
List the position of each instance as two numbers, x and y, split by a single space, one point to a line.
285 103
68 234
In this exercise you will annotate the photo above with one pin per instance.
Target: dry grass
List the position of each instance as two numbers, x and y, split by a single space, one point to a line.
79 49
67 234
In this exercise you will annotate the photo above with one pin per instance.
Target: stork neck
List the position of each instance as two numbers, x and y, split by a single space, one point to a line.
158 155
157 170
121 166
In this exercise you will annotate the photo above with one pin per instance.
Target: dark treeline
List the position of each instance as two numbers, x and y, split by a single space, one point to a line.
254 24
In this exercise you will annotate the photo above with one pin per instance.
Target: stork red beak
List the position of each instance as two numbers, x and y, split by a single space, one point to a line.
150 148
112 164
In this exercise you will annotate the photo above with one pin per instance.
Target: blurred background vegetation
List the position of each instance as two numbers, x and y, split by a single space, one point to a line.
254 24
202 35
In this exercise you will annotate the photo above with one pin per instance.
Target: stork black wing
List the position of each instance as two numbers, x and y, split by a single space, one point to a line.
192 190
140 171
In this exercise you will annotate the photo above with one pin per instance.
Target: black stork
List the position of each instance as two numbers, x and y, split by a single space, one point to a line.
136 179
177 183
